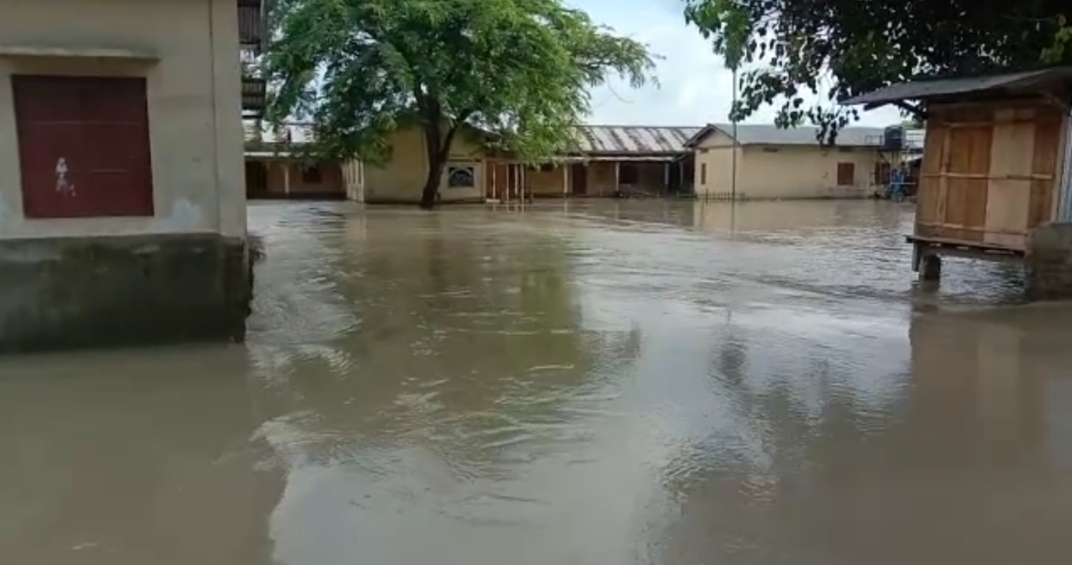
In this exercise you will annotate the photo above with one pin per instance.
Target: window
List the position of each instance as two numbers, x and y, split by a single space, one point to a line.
846 174
310 174
703 173
628 173
461 176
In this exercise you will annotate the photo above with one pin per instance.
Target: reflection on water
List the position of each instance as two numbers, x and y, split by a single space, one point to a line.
634 382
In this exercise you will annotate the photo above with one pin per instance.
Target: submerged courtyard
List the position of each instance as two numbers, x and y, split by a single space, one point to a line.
627 382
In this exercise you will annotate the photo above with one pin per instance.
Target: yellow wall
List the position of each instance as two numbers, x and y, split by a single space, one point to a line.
281 173
548 183
190 50
788 171
401 177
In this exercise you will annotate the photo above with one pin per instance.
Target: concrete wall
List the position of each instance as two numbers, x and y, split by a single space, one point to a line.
193 95
282 173
788 171
182 274
1049 262
548 183
401 178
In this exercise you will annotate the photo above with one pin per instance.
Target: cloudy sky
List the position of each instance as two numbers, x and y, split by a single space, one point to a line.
694 86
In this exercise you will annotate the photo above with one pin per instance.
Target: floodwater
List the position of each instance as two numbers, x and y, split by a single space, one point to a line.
595 383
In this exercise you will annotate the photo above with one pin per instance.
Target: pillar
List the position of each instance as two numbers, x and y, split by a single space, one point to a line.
286 178
565 179
1049 262
617 176
666 176
930 268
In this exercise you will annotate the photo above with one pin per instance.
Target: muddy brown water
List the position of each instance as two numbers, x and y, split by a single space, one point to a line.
580 383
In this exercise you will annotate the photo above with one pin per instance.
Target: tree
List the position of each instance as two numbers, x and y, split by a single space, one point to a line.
848 47
516 70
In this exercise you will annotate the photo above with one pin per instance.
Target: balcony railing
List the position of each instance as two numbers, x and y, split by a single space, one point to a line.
251 24
254 96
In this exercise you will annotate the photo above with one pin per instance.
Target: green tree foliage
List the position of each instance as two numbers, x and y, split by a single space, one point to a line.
841 48
516 70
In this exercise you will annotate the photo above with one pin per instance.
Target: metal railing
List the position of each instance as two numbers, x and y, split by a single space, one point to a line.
252 32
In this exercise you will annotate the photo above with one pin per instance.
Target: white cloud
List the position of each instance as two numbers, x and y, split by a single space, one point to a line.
694 86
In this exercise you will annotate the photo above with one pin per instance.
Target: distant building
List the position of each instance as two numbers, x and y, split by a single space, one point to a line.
774 163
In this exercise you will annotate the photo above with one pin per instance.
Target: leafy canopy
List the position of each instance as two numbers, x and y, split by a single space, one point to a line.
848 47
519 69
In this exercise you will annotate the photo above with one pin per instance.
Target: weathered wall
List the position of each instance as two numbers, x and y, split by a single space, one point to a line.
181 274
331 182
65 293
1049 262
401 178
713 174
803 172
781 172
193 96
549 182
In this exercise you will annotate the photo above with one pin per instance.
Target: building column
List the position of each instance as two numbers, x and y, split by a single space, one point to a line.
565 179
286 178
494 188
617 177
666 177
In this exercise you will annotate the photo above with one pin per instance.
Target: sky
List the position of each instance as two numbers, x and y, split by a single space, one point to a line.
694 86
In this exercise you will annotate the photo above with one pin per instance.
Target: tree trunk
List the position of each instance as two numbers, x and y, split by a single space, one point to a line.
430 193
437 149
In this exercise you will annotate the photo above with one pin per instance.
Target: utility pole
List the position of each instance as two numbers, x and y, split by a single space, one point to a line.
733 120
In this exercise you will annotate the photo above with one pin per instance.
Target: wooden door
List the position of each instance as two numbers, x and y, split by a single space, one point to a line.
578 179
988 173
83 146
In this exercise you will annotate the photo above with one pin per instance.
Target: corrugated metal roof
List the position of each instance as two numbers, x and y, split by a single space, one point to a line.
770 134
934 87
626 140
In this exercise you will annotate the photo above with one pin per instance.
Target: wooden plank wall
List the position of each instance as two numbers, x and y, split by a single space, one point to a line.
988 172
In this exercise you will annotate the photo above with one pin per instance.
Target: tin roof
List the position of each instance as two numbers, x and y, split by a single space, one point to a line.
922 89
634 140
770 134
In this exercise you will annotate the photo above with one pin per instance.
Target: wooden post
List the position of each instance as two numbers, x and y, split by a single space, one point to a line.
286 178
666 177
617 177
565 179
494 189
681 173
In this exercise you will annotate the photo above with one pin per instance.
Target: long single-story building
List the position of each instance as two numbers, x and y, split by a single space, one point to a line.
771 162
275 168
122 208
611 160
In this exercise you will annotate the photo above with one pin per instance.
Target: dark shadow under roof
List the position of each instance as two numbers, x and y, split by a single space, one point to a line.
924 89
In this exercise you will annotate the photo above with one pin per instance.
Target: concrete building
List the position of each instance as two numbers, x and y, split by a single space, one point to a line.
608 160
122 202
275 167
774 163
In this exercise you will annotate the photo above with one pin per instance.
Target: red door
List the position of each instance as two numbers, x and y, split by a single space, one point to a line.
83 146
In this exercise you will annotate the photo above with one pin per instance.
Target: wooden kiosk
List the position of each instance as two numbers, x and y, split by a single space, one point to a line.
994 162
